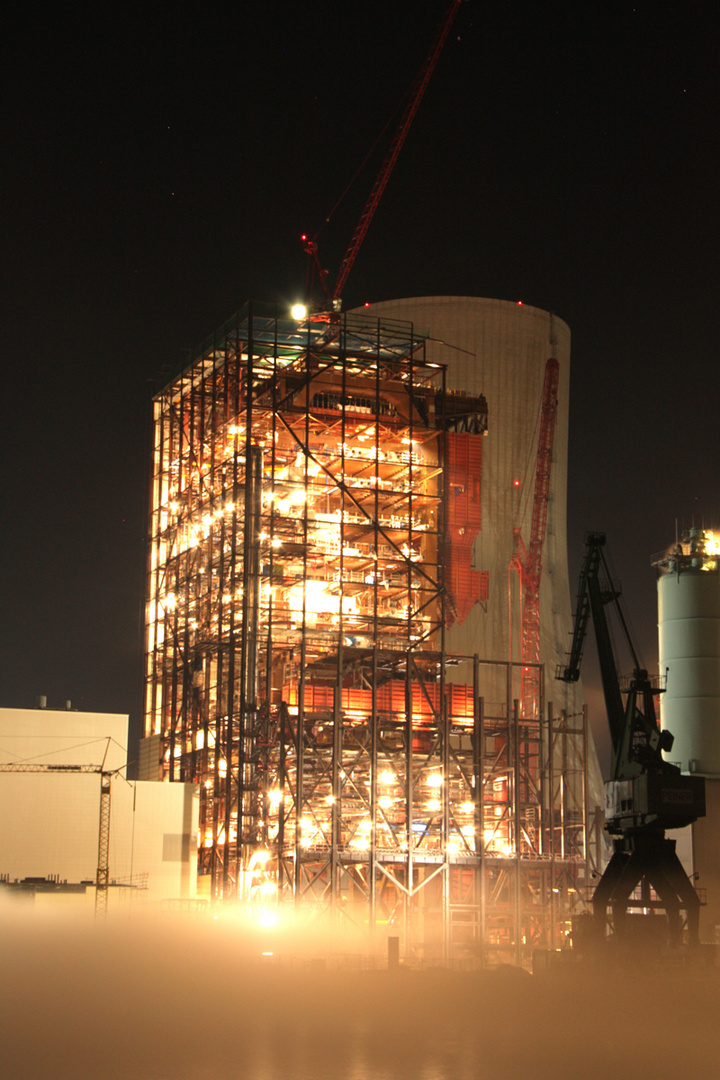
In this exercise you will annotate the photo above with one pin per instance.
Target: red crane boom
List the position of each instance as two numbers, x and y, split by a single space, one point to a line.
528 561
386 169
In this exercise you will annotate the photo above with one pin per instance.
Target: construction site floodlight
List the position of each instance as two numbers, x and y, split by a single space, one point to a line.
298 311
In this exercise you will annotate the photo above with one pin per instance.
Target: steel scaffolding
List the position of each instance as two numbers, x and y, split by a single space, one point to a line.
301 577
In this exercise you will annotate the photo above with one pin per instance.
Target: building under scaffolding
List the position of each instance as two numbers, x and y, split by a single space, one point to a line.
313 482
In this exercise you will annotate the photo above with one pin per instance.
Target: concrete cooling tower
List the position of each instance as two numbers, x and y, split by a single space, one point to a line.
501 349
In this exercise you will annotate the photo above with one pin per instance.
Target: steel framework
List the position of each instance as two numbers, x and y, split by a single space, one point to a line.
299 575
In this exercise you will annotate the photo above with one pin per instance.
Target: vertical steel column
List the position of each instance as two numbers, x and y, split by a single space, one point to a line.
551 818
439 615
337 752
584 804
236 575
409 797
478 799
247 636
372 865
516 827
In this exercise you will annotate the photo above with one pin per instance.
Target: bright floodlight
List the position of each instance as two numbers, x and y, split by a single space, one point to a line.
298 311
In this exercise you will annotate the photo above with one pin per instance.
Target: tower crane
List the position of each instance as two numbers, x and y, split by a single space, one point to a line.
528 561
645 794
102 878
333 294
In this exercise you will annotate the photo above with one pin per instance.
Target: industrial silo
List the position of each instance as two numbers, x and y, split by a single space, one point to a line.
689 639
689 647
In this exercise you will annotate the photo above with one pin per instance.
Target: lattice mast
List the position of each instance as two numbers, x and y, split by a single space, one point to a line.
528 561
333 295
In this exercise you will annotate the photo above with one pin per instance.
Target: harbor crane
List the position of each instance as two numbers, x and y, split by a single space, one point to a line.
645 795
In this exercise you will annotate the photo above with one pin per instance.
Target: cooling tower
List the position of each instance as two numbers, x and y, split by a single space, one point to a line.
501 349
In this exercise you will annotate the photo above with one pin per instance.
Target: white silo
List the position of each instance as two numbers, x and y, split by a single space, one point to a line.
689 639
500 349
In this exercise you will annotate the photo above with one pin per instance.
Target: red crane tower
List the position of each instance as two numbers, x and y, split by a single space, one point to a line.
414 99
528 561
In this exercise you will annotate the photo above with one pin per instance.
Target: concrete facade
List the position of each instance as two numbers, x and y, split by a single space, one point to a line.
500 349
51 817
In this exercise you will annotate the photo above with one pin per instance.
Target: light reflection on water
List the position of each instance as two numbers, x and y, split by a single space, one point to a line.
183 1000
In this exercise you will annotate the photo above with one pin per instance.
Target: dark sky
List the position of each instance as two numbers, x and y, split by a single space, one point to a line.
160 161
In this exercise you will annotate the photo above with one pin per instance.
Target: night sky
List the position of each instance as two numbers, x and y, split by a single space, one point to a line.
160 161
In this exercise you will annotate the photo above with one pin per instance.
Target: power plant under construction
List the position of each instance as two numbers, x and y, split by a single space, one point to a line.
357 578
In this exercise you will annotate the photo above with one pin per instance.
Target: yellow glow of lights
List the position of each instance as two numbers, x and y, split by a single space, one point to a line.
433 804
712 543
453 846
275 797
385 801
318 599
222 767
387 777
467 807
298 311
434 780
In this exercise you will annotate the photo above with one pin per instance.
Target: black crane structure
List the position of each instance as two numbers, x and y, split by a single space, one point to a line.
646 795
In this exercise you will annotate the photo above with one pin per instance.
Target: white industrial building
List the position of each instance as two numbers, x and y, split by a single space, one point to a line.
50 796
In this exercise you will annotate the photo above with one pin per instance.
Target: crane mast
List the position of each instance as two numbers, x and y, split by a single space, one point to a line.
333 296
645 794
528 561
